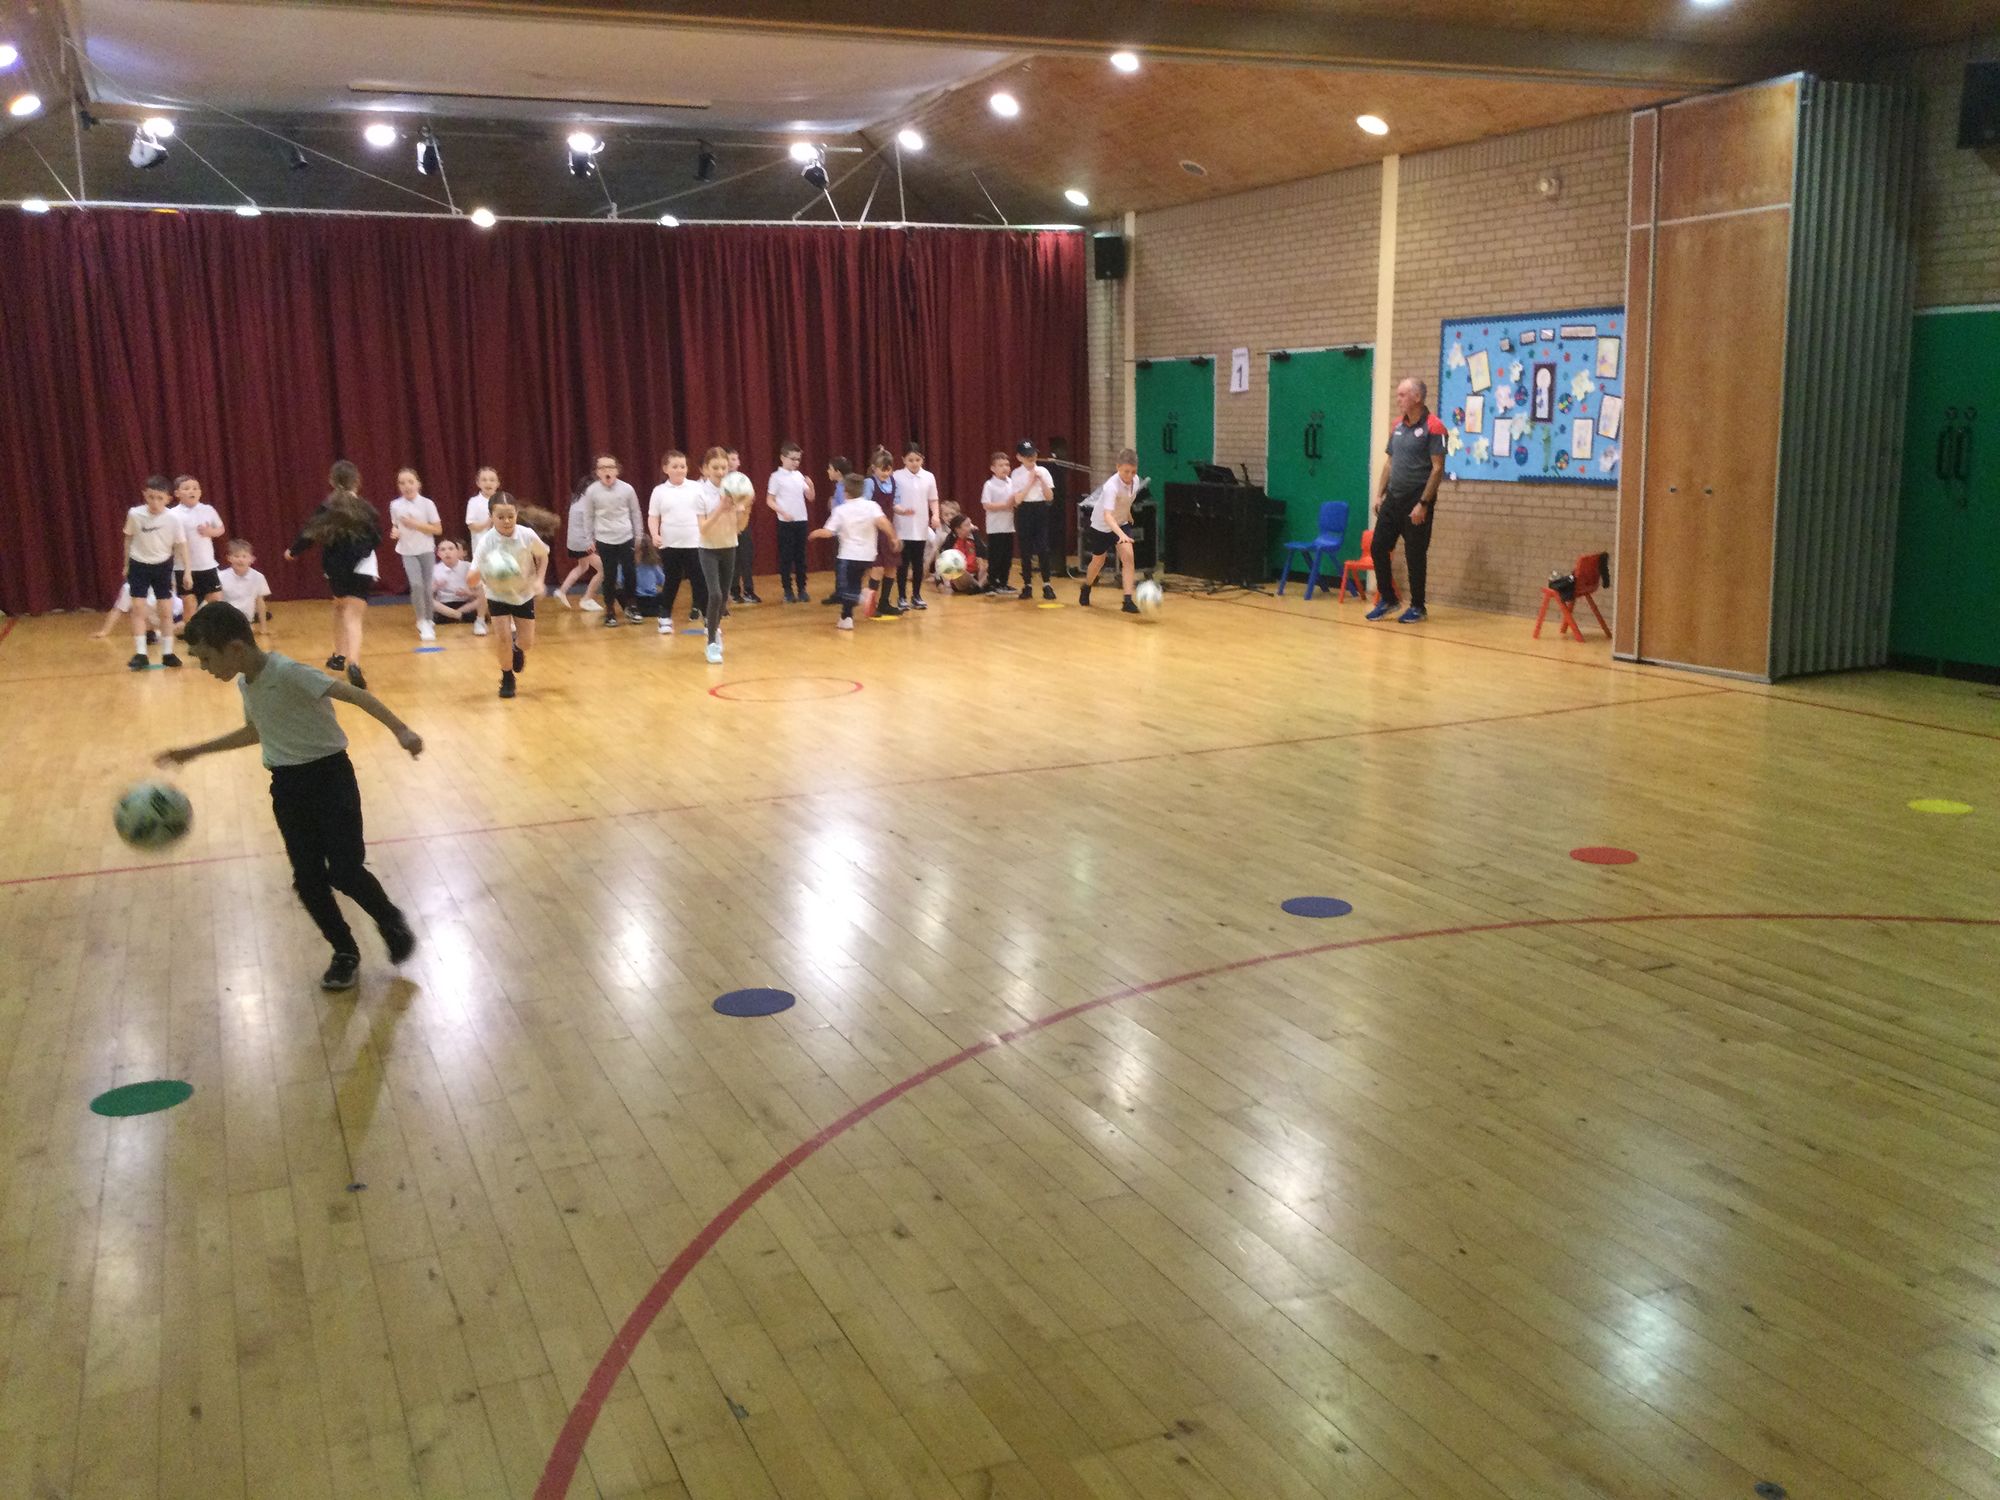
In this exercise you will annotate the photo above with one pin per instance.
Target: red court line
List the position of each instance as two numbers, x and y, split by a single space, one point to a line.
878 786
1623 669
12 621
568 1451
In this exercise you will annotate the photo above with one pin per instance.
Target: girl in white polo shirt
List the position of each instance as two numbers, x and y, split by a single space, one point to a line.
508 565
414 528
673 518
916 504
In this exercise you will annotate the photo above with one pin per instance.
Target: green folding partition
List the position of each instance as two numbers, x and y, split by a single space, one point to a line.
1316 444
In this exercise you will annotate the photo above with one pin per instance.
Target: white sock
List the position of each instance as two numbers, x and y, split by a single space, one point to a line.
138 643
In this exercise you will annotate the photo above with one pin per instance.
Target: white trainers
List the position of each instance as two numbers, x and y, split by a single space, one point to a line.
666 627
592 605
426 631
561 598
845 624
714 653
478 627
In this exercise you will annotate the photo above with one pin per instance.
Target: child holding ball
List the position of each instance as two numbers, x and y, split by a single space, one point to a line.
288 710
508 564
722 518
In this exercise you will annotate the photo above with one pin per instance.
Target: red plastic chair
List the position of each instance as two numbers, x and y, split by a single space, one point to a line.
1587 584
1354 572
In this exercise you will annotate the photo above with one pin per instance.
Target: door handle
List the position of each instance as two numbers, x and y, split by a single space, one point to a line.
1943 461
1961 456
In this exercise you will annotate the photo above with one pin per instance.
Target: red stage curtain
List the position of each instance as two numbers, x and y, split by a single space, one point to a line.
252 353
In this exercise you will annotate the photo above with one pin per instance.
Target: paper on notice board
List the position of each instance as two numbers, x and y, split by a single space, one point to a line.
1607 358
1503 435
1475 413
1610 416
1479 369
1581 436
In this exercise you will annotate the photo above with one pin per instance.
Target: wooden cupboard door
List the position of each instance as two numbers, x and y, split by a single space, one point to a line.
1715 414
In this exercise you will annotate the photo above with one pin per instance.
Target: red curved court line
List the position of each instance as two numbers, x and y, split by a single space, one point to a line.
853 687
567 1453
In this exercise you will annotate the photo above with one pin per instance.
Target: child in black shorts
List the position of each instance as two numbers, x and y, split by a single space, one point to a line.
346 530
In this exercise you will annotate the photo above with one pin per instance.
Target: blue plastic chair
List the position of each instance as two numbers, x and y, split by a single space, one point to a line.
1332 537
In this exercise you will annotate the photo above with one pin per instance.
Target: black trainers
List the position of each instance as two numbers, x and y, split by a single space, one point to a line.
1129 607
396 935
918 604
752 599
170 660
336 664
506 684
354 674
1027 592
1048 591
790 597
832 598
694 617
610 620
139 661
1083 596
520 659
342 973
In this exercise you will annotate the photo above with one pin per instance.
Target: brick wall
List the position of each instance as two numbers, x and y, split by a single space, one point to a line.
1106 314
1286 267
1473 235
1958 191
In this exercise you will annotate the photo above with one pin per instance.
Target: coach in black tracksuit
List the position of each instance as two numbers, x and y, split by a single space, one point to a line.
1406 499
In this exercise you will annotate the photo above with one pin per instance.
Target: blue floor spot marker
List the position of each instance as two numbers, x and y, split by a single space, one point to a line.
754 1002
695 630
427 650
1317 906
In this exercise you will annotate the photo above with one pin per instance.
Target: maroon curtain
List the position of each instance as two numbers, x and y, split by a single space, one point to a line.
252 353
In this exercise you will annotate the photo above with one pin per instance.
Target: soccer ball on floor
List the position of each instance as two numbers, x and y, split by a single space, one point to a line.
737 486
153 814
951 564
1150 597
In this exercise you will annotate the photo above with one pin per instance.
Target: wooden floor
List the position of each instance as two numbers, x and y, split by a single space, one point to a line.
1529 1178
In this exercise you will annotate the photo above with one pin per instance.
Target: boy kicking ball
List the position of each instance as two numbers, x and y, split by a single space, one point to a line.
287 709
1109 517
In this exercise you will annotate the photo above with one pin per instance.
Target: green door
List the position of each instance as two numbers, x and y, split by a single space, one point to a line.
1176 418
1316 447
1947 599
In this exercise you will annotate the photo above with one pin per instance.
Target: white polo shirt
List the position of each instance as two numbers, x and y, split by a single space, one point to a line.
1031 484
244 590
478 514
997 497
150 538
527 581
413 543
675 507
853 524
788 488
1113 497
918 492
201 549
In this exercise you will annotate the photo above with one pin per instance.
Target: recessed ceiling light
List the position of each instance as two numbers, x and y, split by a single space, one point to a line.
803 151
1194 169
247 210
1125 62
1373 124
34 205
23 105
583 142
9 54
1077 196
159 127
1006 106
670 221
380 135
909 140
485 218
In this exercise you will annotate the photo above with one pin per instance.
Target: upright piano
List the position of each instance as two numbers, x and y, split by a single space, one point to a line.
1223 532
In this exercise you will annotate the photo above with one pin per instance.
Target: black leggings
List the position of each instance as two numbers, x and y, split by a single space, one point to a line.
718 568
621 573
1032 521
678 563
792 555
999 559
910 566
318 808
1393 521
746 564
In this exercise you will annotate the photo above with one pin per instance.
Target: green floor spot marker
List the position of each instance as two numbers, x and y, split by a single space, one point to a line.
145 1098
1941 805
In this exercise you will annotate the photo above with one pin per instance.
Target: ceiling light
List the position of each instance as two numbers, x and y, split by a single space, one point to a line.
584 142
296 158
9 55
1125 62
909 140
381 135
1373 124
159 127
23 105
1006 106
429 163
148 149
1077 196
814 170
485 218
247 210
670 221
704 163
584 149
34 205
803 151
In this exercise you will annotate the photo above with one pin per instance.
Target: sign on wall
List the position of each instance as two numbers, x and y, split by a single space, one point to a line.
1534 397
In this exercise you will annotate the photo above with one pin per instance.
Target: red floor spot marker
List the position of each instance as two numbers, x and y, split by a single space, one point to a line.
822 687
567 1454
1598 854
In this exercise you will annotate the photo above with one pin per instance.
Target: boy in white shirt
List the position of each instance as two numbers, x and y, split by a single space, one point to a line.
997 500
243 586
200 526
414 527
673 519
787 492
1111 513
916 518
153 541
453 598
1034 489
857 526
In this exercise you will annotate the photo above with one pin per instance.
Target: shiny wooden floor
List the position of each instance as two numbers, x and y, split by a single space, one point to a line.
1528 1178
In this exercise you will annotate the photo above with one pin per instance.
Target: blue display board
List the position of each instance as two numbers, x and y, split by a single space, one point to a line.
1534 397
